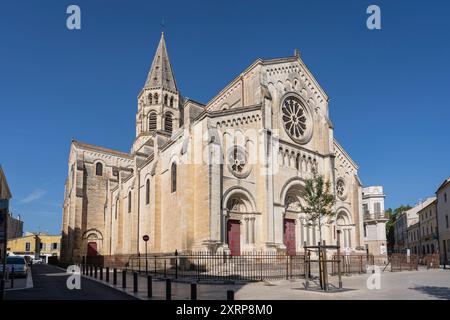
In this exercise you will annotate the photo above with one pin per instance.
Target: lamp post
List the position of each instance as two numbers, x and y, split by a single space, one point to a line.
146 238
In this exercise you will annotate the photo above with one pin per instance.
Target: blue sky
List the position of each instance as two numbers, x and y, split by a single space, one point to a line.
389 88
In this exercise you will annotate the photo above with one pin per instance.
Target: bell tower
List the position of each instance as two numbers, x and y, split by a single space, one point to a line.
159 99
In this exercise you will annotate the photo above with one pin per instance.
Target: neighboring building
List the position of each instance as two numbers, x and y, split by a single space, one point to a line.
38 245
428 229
224 176
374 219
15 226
443 214
405 221
5 196
414 243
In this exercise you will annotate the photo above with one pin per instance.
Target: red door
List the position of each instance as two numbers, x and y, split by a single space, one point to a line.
234 237
92 249
289 236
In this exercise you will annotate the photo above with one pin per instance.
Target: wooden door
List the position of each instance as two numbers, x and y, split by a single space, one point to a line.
234 237
289 236
92 249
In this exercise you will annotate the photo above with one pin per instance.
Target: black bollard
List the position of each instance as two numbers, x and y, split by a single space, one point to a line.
101 273
124 279
12 277
90 271
230 295
95 272
168 289
107 274
193 291
149 286
135 282
114 276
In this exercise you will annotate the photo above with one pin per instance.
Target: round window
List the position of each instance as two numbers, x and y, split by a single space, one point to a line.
296 119
237 162
340 189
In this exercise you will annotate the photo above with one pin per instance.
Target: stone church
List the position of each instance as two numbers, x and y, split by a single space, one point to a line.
225 176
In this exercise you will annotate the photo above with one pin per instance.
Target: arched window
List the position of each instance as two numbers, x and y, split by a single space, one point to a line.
129 202
165 100
168 122
150 99
152 121
171 101
99 169
156 98
173 180
147 192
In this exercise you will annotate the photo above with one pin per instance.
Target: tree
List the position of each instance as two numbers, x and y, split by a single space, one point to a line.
318 201
390 225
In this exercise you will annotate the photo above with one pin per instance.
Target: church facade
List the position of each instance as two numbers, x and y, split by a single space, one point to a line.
222 176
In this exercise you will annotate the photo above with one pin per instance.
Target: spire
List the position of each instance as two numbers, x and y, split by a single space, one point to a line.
161 74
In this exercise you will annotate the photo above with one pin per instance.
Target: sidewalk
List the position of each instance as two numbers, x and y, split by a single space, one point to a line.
181 290
20 283
406 285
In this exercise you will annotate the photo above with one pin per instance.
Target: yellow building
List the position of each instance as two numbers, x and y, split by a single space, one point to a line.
39 245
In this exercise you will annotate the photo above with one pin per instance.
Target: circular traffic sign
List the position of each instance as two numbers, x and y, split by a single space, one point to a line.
146 238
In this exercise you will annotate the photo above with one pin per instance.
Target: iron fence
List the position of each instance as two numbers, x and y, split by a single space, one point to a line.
403 262
431 261
249 266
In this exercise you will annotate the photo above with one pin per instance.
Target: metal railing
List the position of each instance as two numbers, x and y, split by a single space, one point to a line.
249 266
403 262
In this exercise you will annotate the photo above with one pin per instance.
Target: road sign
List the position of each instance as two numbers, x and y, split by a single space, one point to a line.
145 238
382 250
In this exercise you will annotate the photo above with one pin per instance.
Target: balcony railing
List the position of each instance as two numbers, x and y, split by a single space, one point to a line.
375 215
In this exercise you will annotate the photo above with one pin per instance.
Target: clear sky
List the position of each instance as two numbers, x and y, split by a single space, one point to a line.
389 89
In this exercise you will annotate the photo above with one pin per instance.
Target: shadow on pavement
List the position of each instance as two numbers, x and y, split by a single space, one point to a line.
436 292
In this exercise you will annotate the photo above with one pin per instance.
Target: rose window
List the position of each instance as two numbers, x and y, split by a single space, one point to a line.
340 189
296 119
237 160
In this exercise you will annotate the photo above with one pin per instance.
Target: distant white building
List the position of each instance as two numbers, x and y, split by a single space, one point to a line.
374 219
404 222
443 217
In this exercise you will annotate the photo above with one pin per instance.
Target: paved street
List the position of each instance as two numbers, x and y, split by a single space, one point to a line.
407 285
50 284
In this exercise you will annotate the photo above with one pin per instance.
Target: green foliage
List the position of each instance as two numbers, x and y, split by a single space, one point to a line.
318 200
390 225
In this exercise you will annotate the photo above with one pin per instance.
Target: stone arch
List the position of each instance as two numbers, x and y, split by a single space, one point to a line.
243 195
92 234
343 217
296 182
